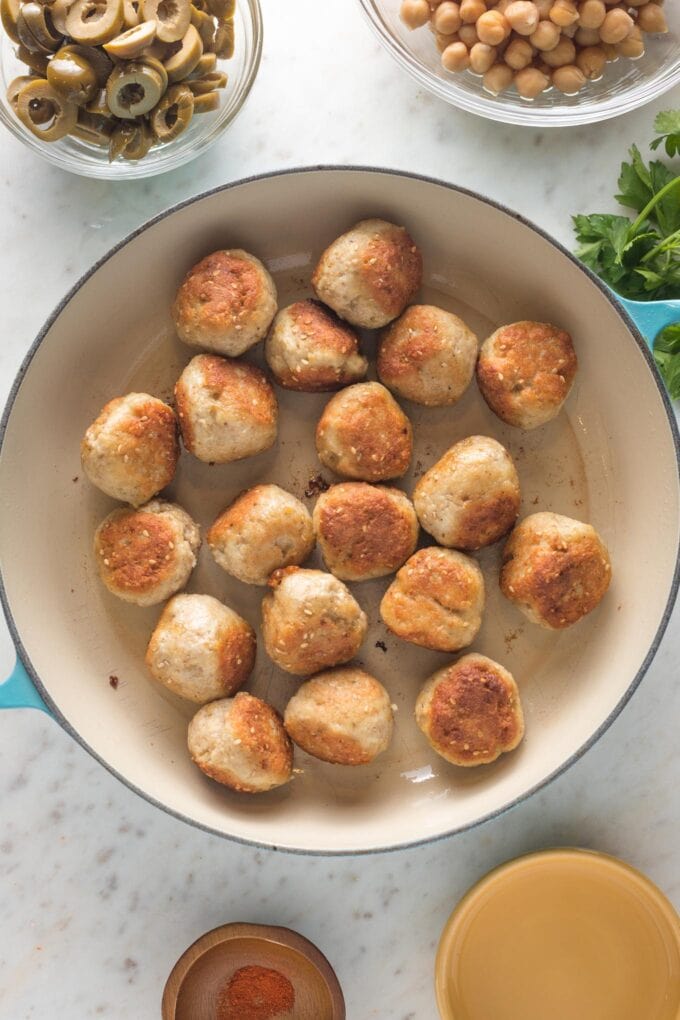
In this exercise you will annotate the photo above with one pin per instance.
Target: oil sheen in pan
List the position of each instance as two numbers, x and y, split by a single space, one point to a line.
553 477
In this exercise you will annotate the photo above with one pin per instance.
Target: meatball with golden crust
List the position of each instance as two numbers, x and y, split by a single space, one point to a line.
241 743
364 434
264 529
130 450
310 349
343 716
470 711
225 303
525 372
364 531
227 409
428 356
201 649
555 569
369 275
470 498
436 600
146 555
310 621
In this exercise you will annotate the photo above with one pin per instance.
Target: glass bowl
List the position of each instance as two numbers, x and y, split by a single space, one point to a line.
626 84
92 161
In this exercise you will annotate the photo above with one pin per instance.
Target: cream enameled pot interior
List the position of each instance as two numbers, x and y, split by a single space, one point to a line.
609 459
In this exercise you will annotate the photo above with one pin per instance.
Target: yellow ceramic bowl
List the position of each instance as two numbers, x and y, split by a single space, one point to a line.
561 935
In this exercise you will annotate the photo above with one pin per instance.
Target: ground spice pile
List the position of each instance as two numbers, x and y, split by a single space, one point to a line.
255 993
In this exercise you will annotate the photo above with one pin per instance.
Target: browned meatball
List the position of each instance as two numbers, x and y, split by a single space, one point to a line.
470 711
555 569
364 531
241 743
312 350
225 303
525 372
369 274
364 434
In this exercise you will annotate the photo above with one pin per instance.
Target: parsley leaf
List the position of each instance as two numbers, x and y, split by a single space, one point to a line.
640 258
667 358
667 126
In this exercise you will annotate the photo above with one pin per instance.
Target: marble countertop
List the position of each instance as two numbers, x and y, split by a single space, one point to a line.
100 892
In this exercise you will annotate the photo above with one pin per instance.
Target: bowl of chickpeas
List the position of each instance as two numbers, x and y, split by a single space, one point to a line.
123 89
535 62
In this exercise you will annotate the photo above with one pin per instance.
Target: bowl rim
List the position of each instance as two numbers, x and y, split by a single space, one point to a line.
632 876
169 158
523 113
606 293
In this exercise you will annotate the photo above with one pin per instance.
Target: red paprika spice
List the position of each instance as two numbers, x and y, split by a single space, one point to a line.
255 993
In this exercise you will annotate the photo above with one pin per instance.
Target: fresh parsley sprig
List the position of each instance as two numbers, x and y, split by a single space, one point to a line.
640 258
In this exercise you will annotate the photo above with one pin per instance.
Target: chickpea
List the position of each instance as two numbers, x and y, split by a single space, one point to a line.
591 62
471 10
568 79
447 18
633 47
610 51
482 57
492 28
651 18
563 54
543 7
445 40
414 13
503 5
468 35
564 13
523 16
530 82
587 37
498 78
456 57
616 26
546 36
591 13
519 54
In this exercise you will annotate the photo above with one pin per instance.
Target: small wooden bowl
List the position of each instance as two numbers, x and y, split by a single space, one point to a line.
197 979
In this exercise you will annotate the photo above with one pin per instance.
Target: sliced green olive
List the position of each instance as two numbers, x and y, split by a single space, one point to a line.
204 25
158 67
206 65
208 83
98 105
94 22
73 76
222 9
140 143
185 60
131 15
172 17
36 61
15 87
133 90
44 112
224 41
131 43
102 65
38 21
173 114
93 129
206 102
9 15
59 10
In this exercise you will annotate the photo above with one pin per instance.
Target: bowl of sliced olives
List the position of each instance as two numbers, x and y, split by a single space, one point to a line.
125 88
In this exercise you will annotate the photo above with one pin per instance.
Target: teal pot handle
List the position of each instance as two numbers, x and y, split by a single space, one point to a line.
18 691
651 317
